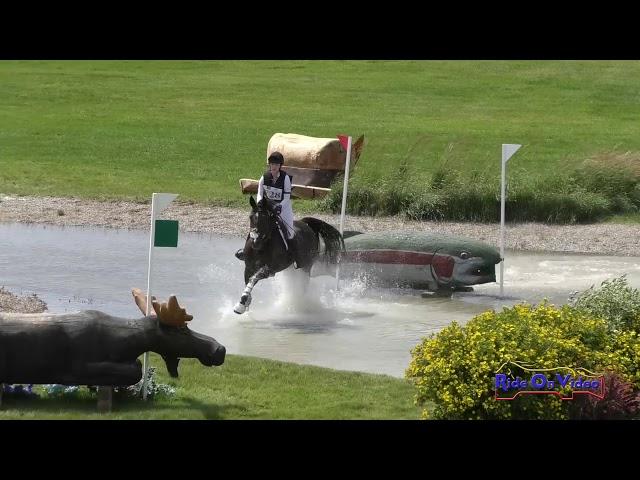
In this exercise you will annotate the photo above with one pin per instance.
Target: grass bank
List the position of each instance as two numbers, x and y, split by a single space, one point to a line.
124 129
242 388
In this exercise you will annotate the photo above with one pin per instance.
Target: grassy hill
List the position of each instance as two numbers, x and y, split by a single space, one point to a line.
123 129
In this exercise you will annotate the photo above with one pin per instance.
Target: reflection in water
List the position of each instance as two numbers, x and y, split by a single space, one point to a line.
291 319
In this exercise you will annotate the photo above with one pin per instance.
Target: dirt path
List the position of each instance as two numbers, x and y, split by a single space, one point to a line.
603 238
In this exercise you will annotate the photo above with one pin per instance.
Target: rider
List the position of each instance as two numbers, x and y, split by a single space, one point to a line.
275 185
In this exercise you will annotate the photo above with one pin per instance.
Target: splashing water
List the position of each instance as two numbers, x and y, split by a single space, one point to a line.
296 293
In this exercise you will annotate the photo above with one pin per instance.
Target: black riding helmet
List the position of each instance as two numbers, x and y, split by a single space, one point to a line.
276 157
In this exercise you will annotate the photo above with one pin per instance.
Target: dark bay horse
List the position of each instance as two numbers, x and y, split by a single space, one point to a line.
265 252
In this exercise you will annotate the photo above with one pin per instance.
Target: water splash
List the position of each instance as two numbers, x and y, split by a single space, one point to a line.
296 293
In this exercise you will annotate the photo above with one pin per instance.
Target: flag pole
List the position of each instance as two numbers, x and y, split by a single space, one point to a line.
159 201
502 191
507 151
145 364
344 202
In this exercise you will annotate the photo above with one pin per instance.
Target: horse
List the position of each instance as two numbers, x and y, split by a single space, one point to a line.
265 252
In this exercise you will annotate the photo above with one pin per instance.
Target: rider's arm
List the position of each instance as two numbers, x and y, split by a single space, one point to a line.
260 187
286 195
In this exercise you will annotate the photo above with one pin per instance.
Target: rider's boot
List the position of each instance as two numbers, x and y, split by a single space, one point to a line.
240 254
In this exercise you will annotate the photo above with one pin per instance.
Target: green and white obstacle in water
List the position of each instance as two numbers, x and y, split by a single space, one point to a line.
426 261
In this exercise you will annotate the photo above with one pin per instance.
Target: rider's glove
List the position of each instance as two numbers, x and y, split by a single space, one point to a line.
278 209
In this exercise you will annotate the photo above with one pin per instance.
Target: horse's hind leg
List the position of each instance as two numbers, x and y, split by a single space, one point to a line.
307 278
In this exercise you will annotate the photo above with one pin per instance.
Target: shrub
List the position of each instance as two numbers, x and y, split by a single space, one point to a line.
620 402
444 177
601 186
615 301
475 201
454 370
426 206
615 175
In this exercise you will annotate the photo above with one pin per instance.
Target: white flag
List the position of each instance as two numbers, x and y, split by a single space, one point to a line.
162 201
508 149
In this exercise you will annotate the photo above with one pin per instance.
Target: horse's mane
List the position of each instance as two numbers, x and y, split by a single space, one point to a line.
265 205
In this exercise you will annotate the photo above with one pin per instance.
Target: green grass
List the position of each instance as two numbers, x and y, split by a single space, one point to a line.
124 129
625 219
242 388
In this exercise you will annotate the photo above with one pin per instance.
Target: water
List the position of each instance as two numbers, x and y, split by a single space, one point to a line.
355 328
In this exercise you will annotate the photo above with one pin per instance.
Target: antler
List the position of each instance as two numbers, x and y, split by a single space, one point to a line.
168 313
141 301
171 313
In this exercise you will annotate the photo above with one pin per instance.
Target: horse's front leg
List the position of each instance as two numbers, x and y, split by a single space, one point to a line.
245 299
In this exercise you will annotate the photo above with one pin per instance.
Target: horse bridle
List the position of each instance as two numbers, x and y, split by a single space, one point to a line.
254 233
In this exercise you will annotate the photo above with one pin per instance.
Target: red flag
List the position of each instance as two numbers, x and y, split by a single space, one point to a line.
344 141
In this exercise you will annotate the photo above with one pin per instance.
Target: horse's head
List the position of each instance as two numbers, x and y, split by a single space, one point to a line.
261 221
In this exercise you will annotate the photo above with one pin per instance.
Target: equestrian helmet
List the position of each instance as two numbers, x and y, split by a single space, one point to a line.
276 157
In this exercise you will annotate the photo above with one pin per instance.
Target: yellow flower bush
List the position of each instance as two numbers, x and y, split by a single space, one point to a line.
454 370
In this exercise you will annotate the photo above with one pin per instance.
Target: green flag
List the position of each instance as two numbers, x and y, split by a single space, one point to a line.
166 234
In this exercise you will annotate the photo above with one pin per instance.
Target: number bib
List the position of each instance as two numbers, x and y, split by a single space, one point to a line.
273 193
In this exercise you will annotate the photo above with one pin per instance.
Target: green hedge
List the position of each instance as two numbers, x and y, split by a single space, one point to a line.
593 191
454 370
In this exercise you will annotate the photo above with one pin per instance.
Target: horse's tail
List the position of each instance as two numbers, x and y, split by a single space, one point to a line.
333 241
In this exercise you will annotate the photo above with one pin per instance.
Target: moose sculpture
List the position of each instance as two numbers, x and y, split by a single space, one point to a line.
94 348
